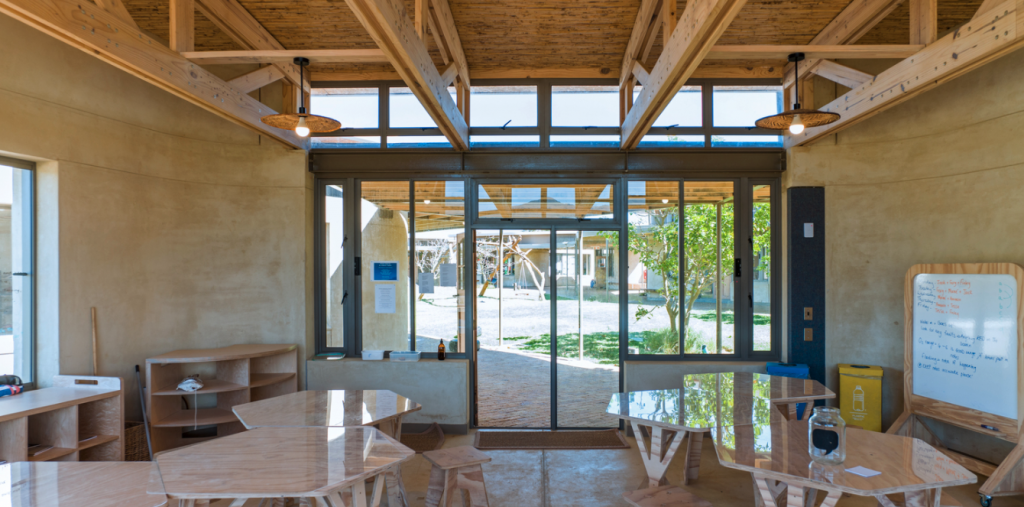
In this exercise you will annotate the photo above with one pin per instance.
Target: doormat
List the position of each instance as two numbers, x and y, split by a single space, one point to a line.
550 440
429 440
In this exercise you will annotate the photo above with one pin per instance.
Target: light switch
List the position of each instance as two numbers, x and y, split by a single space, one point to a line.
808 313
808 334
809 229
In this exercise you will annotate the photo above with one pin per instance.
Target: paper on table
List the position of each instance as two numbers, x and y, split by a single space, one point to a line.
863 472
384 298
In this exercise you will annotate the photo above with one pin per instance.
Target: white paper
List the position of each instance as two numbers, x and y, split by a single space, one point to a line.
384 298
863 472
426 283
448 277
809 229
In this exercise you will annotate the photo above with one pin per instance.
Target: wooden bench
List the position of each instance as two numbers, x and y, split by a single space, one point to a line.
456 469
664 496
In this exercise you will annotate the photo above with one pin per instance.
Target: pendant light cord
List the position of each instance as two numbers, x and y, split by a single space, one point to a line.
796 72
302 91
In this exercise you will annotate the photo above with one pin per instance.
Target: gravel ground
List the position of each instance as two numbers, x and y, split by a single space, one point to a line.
525 315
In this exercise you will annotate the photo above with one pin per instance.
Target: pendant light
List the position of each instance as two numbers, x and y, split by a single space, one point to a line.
302 123
796 120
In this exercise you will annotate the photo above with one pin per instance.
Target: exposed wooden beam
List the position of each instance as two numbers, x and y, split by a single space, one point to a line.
728 70
850 78
420 13
438 38
183 25
257 79
976 43
652 35
640 73
286 56
669 17
246 31
642 26
857 19
446 22
924 21
702 23
394 33
107 37
811 52
448 77
117 8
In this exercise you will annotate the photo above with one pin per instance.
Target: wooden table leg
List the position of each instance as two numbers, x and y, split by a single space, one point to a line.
396 489
378 489
923 498
663 446
471 480
435 489
693 447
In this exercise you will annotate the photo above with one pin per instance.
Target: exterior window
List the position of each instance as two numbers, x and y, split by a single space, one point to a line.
709 296
405 110
16 272
355 108
683 111
652 280
503 106
334 241
385 274
440 258
585 106
741 106
762 245
554 201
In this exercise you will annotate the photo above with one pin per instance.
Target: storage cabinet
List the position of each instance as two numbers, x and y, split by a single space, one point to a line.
231 376
78 419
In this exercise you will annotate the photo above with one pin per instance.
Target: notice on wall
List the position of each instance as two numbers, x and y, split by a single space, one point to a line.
384 296
426 282
965 341
448 276
385 271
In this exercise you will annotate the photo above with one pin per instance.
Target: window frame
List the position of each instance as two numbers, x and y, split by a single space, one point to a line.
544 127
29 309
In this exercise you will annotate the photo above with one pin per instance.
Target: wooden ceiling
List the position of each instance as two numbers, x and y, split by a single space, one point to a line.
511 35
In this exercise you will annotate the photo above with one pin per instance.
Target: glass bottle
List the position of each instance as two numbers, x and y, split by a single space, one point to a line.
440 350
826 436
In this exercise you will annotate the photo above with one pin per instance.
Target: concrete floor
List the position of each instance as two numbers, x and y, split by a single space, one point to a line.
597 478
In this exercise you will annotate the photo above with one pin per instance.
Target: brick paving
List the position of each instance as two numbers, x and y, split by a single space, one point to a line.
514 391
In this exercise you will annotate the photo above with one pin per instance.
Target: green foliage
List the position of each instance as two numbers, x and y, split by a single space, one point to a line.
604 347
760 319
763 236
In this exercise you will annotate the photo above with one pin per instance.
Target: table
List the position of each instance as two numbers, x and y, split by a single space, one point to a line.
705 401
380 408
774 451
70 483
323 464
330 408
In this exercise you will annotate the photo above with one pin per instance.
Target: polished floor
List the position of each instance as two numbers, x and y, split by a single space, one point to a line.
597 478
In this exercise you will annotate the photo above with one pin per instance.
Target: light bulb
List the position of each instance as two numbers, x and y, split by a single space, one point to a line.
664 201
797 126
301 129
426 201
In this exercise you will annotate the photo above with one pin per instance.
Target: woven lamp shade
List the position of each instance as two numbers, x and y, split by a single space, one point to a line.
289 121
809 117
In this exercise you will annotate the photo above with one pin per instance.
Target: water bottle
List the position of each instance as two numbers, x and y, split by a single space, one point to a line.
826 436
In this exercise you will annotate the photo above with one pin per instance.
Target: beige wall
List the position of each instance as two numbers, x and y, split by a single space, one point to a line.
182 229
936 179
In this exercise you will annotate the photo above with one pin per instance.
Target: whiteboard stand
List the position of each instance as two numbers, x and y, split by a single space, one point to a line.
990 306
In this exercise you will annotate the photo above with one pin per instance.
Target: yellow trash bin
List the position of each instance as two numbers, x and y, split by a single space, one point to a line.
860 396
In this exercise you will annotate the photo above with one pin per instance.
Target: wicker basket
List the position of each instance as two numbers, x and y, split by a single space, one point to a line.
135 446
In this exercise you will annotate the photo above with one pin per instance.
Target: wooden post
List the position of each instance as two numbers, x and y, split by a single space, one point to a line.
668 18
183 20
95 347
923 21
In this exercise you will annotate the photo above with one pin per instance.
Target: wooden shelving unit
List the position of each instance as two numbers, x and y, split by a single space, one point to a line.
78 419
234 375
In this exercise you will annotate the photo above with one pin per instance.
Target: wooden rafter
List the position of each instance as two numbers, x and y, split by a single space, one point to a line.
286 56
837 73
117 8
257 79
183 25
395 34
978 42
924 21
759 52
99 33
702 23
728 71
246 31
642 28
443 20
856 20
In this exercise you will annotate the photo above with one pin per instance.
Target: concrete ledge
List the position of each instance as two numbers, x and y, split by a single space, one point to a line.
442 387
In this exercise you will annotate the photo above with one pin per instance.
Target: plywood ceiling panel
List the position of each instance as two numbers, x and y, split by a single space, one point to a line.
538 34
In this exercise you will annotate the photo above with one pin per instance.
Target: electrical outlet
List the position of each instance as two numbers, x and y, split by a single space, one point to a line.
808 313
808 334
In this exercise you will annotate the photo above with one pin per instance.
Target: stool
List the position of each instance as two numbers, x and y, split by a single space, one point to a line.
456 469
664 496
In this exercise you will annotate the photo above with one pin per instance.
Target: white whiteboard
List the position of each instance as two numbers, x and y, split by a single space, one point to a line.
965 341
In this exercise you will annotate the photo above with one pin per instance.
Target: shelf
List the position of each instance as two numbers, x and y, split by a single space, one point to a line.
206 416
265 379
99 440
210 386
53 453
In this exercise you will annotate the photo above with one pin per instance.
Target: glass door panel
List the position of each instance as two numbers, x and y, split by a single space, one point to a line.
762 245
587 326
512 290
334 242
708 253
440 299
